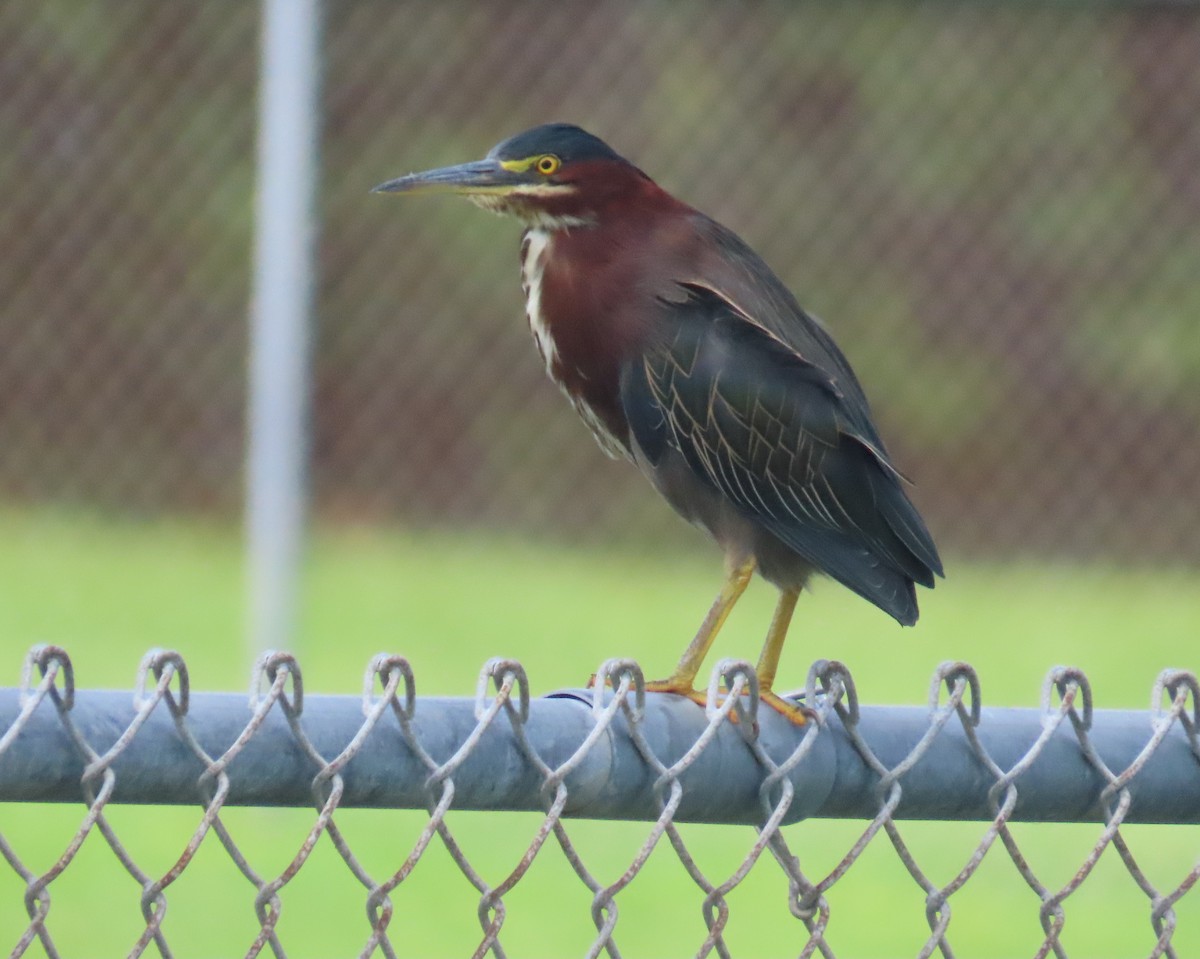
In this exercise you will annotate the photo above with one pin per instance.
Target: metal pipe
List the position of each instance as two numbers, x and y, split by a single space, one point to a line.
613 781
285 238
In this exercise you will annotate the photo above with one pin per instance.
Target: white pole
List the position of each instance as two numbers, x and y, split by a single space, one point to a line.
285 235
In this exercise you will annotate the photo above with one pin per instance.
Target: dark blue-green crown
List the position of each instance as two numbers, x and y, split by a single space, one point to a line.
567 142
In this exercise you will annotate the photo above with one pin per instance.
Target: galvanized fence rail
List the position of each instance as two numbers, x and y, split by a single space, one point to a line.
609 752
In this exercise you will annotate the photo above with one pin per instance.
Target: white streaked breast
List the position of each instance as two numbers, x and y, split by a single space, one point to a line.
533 266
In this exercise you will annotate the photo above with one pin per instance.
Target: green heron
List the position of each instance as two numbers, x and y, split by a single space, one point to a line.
686 355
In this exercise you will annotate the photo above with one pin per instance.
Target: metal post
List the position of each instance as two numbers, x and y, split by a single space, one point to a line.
283 293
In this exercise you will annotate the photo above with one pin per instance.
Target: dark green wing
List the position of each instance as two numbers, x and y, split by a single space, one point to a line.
772 432
752 288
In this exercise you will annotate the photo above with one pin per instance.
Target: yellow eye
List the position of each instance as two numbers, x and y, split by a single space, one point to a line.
548 164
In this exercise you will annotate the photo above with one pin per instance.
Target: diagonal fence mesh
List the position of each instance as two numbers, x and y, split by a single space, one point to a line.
993 205
566 757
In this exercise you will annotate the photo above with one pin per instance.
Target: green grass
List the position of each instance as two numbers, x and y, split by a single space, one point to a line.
109 590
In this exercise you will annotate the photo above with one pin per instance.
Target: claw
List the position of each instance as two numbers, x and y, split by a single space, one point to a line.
676 689
793 712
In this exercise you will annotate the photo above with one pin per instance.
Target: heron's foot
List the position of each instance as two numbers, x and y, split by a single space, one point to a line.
674 686
678 687
793 712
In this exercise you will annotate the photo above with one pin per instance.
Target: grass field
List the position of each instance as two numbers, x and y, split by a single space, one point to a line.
109 590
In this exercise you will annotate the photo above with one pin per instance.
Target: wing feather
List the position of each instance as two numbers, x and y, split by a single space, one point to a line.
776 436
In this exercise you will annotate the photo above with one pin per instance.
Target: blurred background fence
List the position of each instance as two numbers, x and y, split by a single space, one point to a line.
995 206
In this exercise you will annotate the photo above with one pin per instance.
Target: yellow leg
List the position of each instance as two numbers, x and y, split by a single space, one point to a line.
683 679
768 660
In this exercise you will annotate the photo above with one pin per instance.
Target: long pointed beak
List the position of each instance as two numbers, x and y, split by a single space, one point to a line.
479 176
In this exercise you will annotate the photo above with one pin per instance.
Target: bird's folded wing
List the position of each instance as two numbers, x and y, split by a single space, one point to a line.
771 432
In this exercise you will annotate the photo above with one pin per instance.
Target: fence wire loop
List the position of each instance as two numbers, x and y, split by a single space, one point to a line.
1070 683
162 663
738 678
391 671
50 661
830 687
504 674
958 678
271 676
621 675
1177 687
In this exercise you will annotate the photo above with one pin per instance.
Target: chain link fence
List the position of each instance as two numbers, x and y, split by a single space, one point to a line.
610 752
994 205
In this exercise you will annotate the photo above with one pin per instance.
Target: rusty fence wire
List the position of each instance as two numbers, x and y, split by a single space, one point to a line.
609 752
